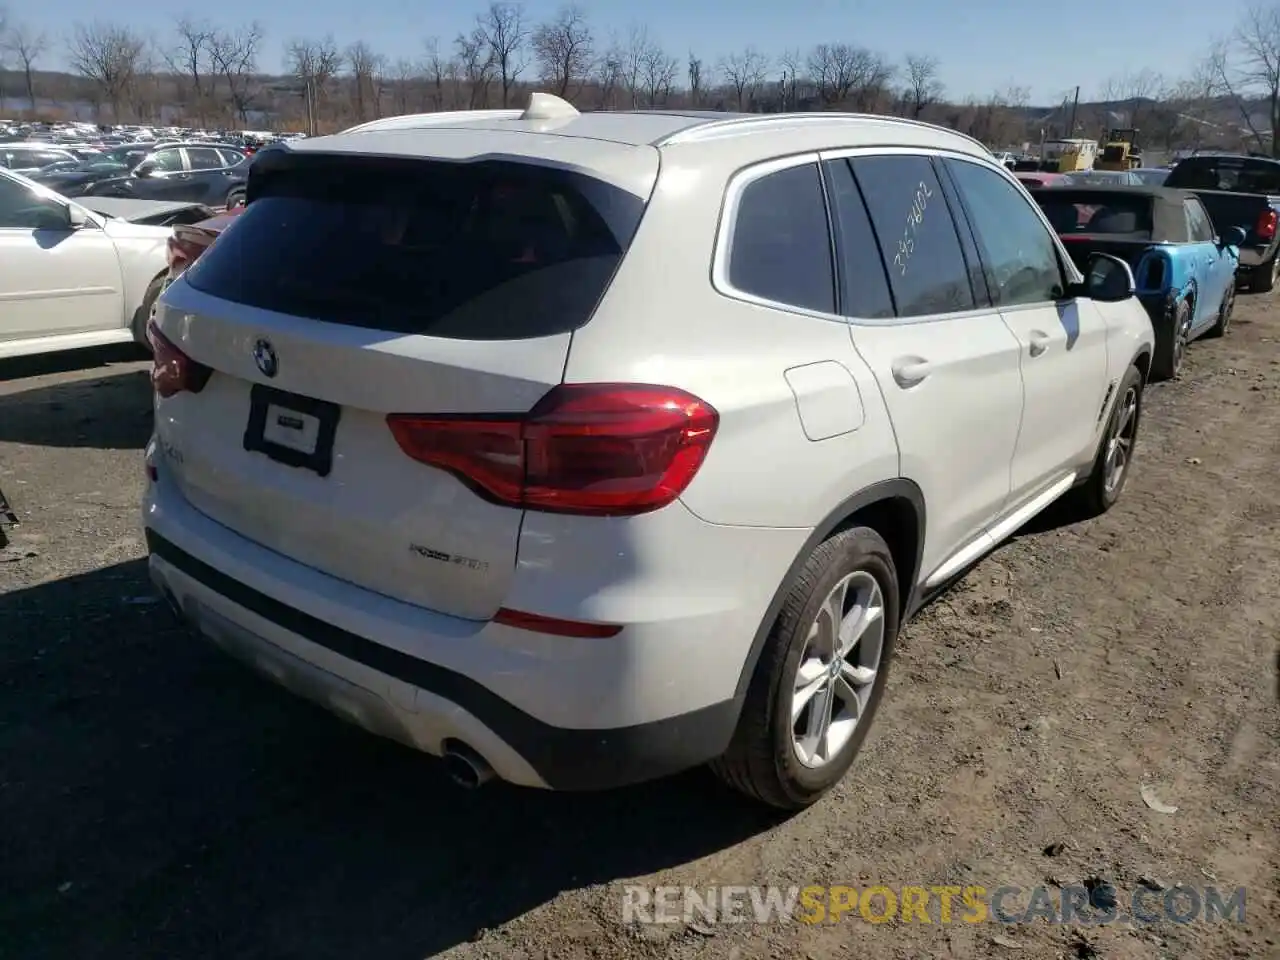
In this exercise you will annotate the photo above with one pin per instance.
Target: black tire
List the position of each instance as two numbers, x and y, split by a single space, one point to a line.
1098 494
1171 345
235 197
1264 276
1223 323
143 314
761 761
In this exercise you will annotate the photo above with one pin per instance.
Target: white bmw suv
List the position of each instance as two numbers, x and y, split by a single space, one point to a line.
579 449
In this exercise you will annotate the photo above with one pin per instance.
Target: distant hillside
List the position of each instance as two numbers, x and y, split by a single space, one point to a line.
279 102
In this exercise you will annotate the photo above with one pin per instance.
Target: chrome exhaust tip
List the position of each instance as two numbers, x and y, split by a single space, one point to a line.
465 767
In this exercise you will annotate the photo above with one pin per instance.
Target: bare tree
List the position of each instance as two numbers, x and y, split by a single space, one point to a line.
401 75
694 71
234 55
563 49
1250 65
610 71
1133 94
107 55
27 45
505 33
314 63
475 61
660 71
923 88
366 67
788 86
843 72
1187 108
188 61
745 72
631 61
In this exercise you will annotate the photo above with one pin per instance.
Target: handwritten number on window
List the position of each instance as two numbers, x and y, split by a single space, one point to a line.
915 217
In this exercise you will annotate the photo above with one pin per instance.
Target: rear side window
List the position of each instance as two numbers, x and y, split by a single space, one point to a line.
917 236
1199 226
864 287
167 161
781 249
204 158
484 251
1119 215
1020 256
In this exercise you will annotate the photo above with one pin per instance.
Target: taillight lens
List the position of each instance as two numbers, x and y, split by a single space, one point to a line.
181 252
1266 225
600 449
172 371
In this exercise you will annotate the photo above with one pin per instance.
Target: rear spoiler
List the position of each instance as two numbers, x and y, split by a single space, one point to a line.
7 518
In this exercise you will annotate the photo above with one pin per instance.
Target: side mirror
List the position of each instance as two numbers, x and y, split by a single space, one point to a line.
77 217
144 169
1108 279
1234 236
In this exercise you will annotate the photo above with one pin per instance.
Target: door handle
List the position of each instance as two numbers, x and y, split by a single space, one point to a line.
1039 342
909 371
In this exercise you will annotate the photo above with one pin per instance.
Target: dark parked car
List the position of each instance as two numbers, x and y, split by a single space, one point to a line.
212 174
1240 192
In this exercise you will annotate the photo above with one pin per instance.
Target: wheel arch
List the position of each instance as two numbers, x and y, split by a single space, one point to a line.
893 508
1143 362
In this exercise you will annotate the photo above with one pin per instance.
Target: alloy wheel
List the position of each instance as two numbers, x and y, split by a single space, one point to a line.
1120 441
837 670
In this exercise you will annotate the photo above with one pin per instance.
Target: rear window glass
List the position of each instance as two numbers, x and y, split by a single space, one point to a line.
1233 174
488 251
1118 215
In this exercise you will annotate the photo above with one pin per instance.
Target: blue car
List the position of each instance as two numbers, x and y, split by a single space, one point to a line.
1185 273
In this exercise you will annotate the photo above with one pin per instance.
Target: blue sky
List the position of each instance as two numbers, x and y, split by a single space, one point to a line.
981 44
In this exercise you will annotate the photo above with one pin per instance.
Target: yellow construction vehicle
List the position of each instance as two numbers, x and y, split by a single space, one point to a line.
1120 151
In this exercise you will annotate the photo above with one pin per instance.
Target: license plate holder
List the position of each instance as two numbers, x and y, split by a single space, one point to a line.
291 429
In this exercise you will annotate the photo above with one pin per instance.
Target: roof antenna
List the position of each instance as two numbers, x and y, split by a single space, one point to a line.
547 106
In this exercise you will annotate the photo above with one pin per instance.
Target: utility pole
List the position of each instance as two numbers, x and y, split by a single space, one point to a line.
1075 105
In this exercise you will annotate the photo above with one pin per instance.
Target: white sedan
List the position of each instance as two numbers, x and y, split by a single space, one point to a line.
70 277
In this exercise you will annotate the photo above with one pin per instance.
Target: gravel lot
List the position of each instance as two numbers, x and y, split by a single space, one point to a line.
159 801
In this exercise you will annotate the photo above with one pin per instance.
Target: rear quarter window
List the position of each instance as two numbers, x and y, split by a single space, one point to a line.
488 251
781 247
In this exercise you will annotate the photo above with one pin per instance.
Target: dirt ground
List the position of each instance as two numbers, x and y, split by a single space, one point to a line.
156 800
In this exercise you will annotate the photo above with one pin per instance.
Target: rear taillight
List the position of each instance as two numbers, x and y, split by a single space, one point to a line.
181 253
600 449
1265 228
172 371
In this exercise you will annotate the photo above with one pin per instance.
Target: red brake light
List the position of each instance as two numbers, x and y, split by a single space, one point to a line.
181 253
1266 225
172 371
600 449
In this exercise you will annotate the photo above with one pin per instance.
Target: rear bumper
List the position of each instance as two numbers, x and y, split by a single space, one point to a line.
295 625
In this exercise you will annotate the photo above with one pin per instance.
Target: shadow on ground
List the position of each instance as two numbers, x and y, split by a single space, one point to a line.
159 800
109 412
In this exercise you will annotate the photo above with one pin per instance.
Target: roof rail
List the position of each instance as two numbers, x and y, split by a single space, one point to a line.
414 121
739 125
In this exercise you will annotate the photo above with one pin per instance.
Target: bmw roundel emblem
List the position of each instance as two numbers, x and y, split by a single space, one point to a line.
264 355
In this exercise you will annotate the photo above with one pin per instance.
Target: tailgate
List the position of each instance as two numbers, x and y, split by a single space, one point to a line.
341 298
